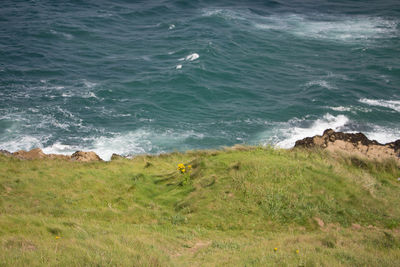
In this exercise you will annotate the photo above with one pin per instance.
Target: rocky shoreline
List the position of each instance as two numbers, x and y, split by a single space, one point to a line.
37 153
355 144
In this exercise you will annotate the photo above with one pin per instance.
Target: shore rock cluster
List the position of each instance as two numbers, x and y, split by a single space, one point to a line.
356 144
347 143
37 153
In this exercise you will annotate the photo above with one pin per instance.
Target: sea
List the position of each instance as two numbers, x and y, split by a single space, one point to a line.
150 77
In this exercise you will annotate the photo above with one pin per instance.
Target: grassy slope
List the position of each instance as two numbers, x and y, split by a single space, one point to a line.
237 207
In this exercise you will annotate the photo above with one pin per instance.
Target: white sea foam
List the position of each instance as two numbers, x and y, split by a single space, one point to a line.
59 148
345 29
340 108
336 28
325 27
339 28
135 142
33 110
211 12
90 95
66 94
343 77
84 90
321 83
26 142
317 127
63 34
89 84
192 57
392 104
285 134
171 27
141 141
383 134
223 13
353 109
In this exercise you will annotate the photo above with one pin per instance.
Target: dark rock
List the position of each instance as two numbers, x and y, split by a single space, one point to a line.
5 152
116 156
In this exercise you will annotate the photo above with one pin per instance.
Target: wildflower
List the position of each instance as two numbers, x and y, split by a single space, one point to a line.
181 166
182 170
58 237
297 251
189 167
275 249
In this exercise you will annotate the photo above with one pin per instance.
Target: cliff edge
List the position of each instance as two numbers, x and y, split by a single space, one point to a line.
356 144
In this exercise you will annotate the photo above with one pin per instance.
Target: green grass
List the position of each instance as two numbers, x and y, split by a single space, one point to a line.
238 205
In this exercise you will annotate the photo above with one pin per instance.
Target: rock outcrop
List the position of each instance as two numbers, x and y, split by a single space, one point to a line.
116 156
85 156
355 144
5 152
37 153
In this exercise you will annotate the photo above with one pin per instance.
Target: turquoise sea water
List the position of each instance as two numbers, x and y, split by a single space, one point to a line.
156 76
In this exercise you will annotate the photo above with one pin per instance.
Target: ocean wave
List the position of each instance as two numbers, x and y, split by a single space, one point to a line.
223 13
150 141
141 141
285 134
58 148
353 109
319 26
340 108
391 104
291 134
25 142
383 134
342 28
320 83
192 57
63 34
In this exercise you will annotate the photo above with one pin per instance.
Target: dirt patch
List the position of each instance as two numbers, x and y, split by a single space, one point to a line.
199 245
193 249
22 244
319 222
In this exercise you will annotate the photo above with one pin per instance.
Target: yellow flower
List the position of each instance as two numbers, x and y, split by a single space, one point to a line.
189 167
57 237
183 170
181 166
275 249
297 251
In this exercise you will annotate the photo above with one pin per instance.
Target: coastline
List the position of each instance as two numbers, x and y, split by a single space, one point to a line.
353 144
